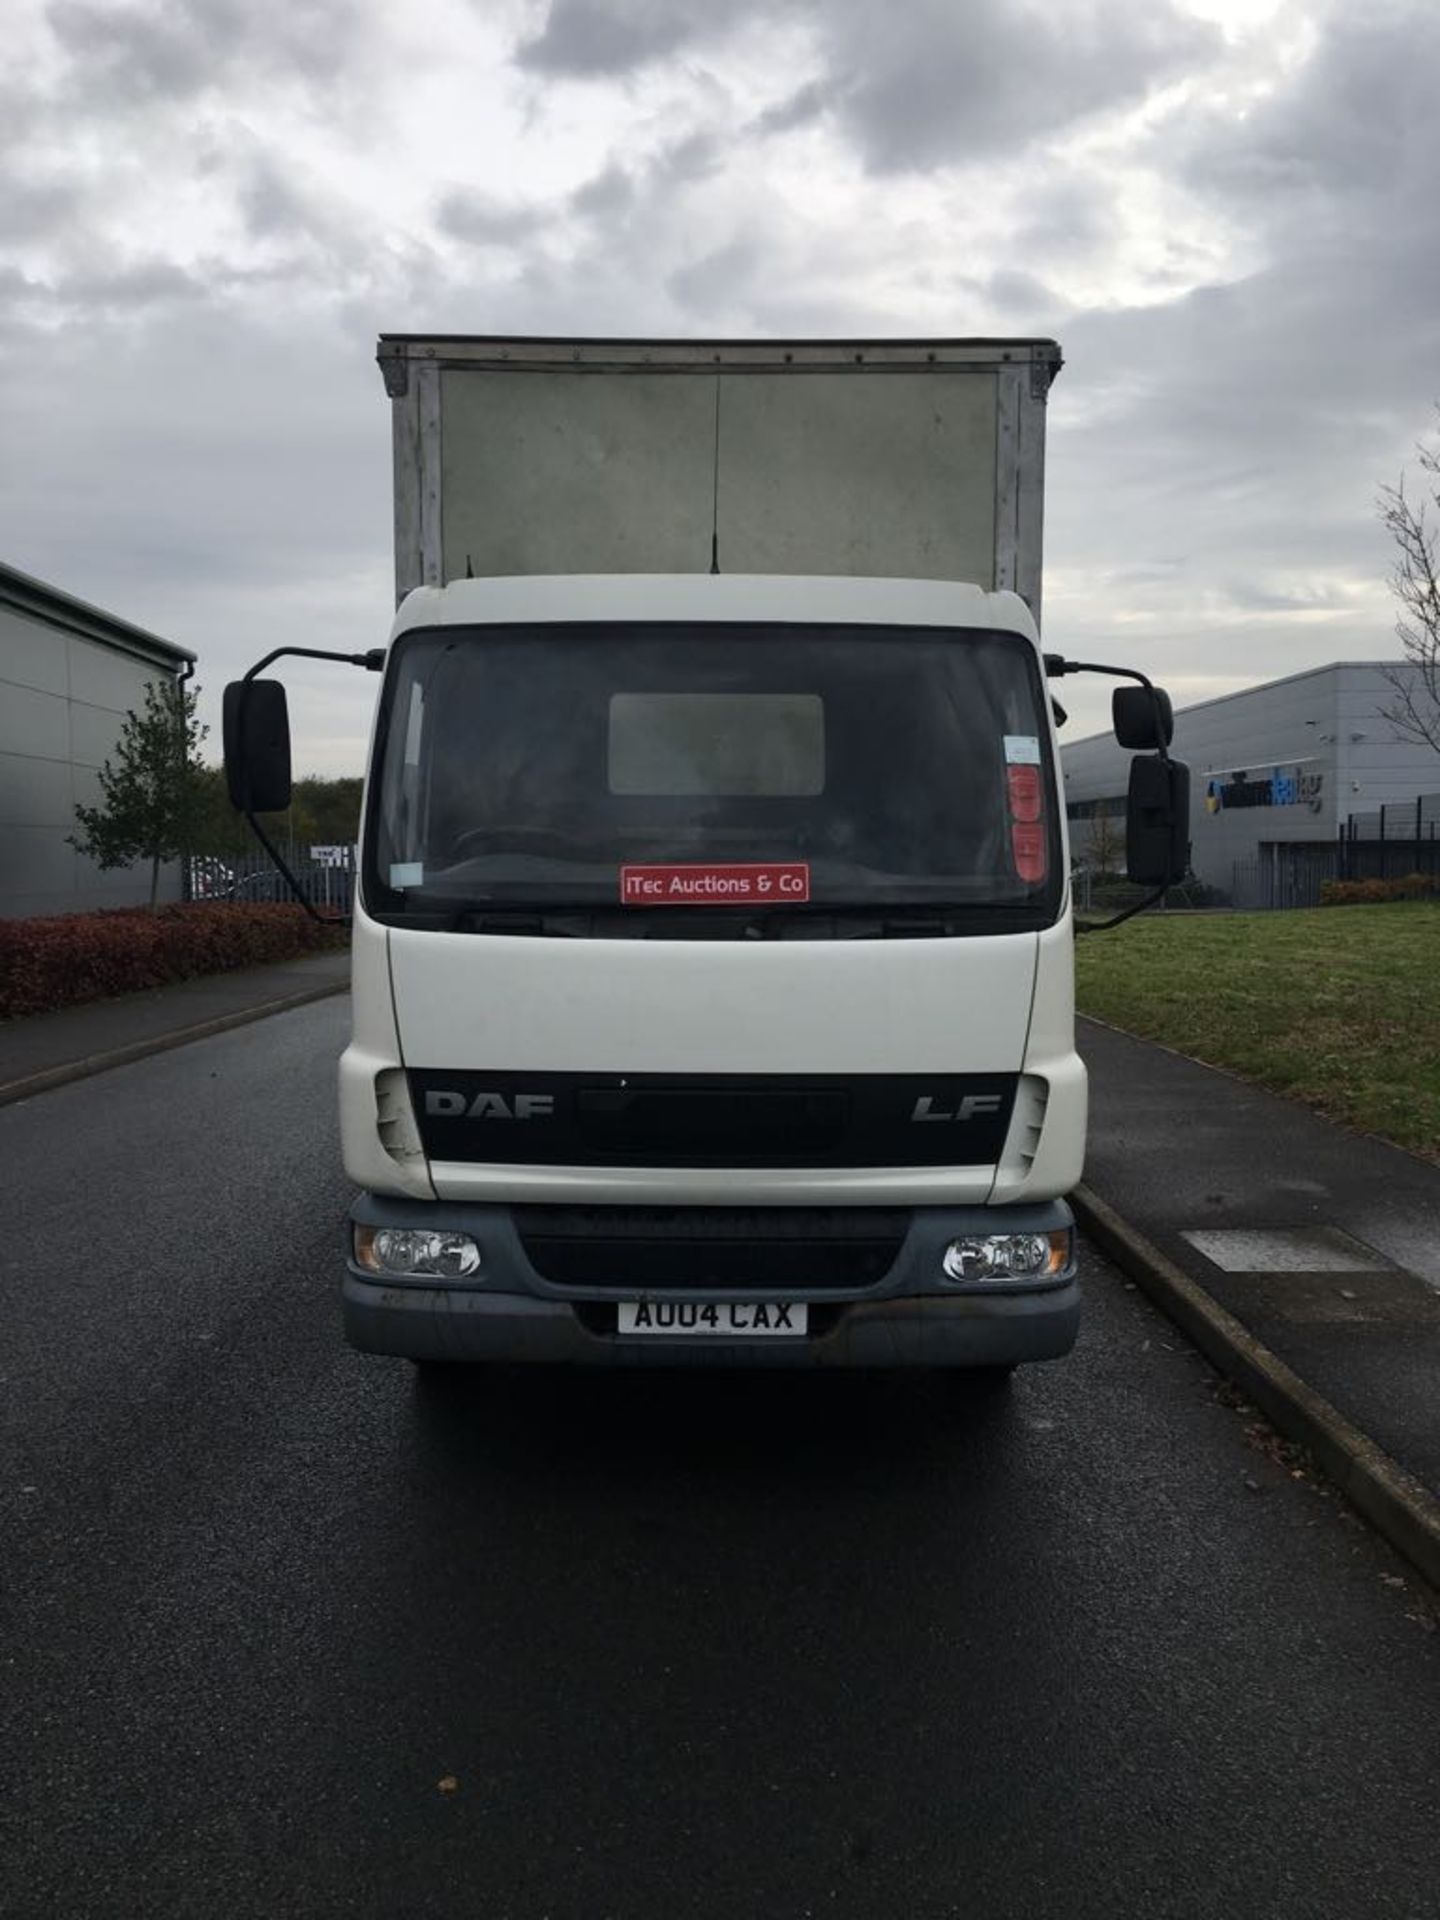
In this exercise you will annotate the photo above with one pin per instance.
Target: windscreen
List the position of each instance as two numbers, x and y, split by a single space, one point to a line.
614 766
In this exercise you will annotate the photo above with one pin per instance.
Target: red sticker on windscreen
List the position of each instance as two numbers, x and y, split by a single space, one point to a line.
715 886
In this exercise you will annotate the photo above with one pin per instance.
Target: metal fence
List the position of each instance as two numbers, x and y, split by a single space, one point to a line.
1094 892
328 882
1284 876
1416 821
1392 841
1388 843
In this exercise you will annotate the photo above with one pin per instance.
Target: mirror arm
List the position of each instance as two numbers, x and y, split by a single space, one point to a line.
1104 926
373 662
1056 664
326 919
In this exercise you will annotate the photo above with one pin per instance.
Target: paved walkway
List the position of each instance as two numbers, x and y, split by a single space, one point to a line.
1324 1244
51 1048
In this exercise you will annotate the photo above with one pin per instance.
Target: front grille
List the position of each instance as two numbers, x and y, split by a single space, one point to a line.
697 1125
734 1249
547 1119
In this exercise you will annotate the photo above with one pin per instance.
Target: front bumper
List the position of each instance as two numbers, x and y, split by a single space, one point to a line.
909 1318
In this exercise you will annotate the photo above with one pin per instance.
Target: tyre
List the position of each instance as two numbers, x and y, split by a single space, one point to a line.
987 1379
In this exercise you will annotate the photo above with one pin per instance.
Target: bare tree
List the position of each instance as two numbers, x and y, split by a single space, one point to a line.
1414 712
1104 844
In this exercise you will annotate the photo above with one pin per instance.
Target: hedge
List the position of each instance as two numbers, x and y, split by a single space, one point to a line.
45 964
1371 893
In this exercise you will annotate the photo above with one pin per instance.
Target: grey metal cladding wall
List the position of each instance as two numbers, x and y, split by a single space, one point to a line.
1326 725
50 609
63 699
1378 765
1287 723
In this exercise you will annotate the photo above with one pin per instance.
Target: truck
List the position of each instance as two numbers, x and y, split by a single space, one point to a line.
712 938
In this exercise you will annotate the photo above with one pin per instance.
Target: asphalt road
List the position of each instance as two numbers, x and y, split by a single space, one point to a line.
287 1636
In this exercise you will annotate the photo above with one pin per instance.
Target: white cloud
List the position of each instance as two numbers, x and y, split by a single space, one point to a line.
208 210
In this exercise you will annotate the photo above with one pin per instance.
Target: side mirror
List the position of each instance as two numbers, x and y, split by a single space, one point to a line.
1143 717
257 746
1157 822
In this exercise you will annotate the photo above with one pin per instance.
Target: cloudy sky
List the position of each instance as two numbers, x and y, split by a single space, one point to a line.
1225 210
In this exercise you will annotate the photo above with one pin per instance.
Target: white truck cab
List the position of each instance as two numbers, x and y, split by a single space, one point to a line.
712 954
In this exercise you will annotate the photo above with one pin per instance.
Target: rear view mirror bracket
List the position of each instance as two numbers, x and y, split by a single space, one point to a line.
1158 808
1143 716
252 763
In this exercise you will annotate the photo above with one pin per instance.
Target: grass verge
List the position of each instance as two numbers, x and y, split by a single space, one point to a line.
1339 1007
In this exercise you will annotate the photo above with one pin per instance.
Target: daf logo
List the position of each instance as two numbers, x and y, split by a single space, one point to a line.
489 1106
969 1108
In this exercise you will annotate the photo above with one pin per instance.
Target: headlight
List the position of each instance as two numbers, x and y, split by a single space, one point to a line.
1010 1256
416 1253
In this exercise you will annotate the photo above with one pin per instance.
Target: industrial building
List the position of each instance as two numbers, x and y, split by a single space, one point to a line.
69 674
1279 766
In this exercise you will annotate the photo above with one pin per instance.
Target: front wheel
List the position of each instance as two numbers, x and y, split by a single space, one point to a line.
442 1376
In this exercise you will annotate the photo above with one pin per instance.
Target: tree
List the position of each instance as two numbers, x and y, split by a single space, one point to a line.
1414 712
149 791
321 813
219 829
1104 843
328 811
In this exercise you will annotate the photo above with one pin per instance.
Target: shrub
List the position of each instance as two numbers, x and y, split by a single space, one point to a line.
45 964
1371 893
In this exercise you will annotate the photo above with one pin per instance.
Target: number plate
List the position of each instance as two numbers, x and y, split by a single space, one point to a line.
714 1320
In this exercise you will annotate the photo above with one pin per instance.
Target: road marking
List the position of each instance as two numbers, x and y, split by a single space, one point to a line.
1286 1250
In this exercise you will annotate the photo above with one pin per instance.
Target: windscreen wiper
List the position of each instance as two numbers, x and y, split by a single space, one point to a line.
942 921
561 925
816 921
